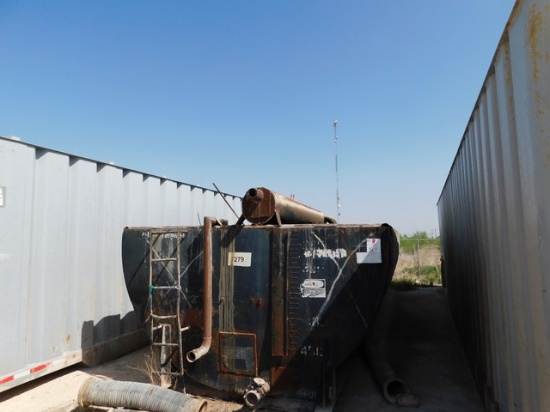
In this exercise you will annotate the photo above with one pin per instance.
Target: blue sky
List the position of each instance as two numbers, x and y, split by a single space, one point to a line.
244 93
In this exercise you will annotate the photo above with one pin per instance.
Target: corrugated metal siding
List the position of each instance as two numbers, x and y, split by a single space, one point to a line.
495 220
63 292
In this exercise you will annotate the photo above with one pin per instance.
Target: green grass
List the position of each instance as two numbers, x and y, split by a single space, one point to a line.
418 264
410 246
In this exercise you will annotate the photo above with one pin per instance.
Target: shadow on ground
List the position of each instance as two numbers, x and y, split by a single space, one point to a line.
416 334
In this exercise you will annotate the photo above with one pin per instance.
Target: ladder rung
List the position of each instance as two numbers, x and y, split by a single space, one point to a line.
166 287
164 344
164 259
163 316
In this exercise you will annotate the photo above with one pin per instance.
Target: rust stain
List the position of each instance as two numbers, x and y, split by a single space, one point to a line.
228 344
537 32
281 379
534 27
193 317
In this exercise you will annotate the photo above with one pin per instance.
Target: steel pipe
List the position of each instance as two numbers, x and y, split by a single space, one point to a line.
394 389
263 206
202 350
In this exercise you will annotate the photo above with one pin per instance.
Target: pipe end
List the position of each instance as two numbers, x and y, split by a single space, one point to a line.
252 399
255 392
393 388
255 194
192 356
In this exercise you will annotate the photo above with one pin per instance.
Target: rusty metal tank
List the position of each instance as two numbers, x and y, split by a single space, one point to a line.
280 304
263 206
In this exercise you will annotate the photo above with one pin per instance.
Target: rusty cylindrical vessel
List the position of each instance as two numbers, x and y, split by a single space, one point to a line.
263 206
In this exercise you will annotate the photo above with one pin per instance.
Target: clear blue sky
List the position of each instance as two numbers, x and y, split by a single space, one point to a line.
244 93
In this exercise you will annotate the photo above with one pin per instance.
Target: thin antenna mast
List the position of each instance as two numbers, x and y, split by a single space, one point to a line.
335 123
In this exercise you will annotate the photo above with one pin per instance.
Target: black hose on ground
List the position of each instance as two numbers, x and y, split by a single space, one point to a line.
394 389
135 395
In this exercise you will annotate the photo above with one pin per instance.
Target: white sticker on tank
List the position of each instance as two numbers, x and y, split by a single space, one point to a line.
243 259
370 252
313 288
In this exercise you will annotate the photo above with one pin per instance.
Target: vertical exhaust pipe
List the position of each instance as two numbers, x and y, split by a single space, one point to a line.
202 350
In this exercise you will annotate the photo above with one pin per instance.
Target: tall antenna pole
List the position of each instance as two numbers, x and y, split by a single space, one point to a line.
335 123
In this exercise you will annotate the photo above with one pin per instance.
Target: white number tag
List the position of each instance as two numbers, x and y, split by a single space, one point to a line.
239 259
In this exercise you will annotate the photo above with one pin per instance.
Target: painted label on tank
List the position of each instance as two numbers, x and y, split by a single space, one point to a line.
326 253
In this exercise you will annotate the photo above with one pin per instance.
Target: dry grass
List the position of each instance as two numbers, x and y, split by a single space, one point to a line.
150 369
419 268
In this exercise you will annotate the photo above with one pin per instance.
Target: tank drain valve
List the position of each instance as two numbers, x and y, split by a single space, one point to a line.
255 392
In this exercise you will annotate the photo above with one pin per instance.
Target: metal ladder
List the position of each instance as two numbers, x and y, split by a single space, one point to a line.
165 326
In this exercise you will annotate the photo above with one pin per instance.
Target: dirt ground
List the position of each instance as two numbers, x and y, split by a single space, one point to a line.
417 337
414 332
57 392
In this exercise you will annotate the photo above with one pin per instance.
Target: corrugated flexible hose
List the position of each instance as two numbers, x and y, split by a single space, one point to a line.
135 395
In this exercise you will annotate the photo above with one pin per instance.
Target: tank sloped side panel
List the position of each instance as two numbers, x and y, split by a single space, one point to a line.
494 220
61 217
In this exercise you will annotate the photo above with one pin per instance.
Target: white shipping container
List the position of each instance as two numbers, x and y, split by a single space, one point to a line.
64 298
494 214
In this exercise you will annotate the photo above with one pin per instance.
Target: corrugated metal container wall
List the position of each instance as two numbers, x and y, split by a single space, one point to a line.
495 221
61 220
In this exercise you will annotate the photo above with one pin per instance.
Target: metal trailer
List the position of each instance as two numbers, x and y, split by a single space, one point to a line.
64 298
495 220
